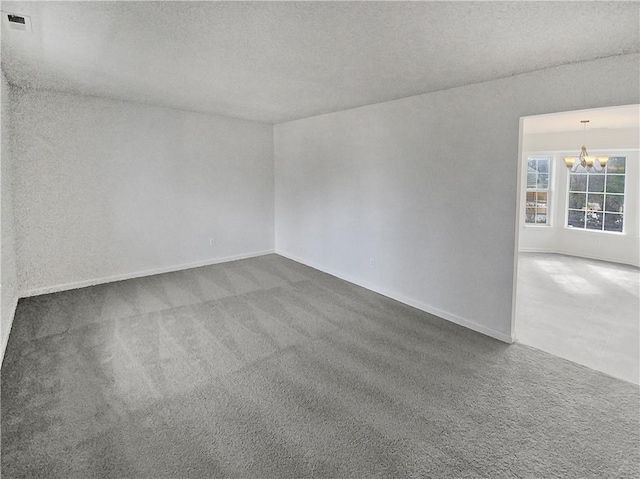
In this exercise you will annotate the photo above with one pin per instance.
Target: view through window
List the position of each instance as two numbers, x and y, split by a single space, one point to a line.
596 198
537 191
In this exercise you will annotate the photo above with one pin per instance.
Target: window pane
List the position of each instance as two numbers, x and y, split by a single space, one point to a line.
543 165
577 200
531 180
612 222
616 164
530 215
596 183
543 181
531 165
576 219
541 198
615 184
578 183
541 216
531 198
594 220
595 202
615 203
541 207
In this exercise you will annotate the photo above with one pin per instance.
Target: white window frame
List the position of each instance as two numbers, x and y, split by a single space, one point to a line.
624 194
547 190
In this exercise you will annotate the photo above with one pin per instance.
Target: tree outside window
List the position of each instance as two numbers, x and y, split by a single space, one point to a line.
596 198
537 201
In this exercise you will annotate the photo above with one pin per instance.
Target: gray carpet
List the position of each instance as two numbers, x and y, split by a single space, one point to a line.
264 368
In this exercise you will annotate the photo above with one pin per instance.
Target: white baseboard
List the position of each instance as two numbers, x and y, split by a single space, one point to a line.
535 250
406 300
599 258
138 274
571 253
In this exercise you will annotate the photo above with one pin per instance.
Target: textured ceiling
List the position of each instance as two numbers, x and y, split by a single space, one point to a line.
278 61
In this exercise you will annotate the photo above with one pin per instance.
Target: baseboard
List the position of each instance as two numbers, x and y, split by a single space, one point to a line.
598 258
571 253
139 274
535 250
406 300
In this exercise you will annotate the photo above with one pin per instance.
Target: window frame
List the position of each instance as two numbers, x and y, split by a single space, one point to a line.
548 190
605 173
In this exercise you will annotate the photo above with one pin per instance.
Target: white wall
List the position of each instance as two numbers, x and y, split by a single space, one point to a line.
427 186
107 189
8 285
555 238
596 139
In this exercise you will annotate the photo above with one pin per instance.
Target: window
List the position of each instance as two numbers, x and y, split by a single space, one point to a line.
537 191
596 198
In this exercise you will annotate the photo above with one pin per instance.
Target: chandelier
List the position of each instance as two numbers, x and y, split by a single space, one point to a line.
584 160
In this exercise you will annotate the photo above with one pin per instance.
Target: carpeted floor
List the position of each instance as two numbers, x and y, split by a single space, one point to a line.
264 368
581 309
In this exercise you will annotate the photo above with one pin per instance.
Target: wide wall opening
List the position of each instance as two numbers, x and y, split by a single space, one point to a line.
577 286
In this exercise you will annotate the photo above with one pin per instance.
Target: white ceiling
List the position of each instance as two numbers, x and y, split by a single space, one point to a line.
599 118
278 61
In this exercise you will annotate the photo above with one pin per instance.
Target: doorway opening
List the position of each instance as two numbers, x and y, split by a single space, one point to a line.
577 284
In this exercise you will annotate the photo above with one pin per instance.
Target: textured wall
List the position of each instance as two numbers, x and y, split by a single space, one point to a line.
427 186
106 188
8 286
